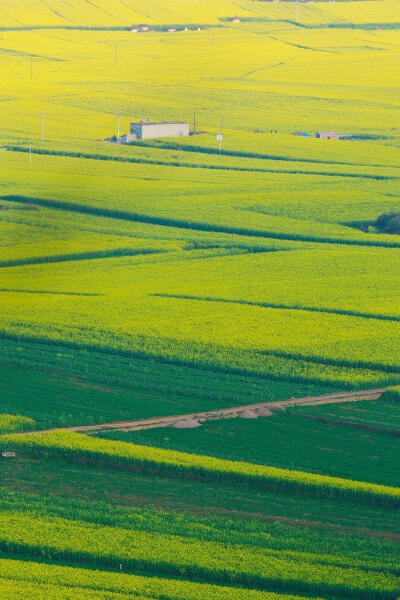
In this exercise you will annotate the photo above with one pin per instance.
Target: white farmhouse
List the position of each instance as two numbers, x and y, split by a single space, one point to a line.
146 130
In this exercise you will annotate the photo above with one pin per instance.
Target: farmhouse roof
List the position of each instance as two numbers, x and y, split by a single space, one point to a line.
159 122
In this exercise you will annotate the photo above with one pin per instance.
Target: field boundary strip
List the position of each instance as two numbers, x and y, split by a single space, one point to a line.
51 292
392 373
213 167
191 225
334 311
155 28
161 145
224 413
100 254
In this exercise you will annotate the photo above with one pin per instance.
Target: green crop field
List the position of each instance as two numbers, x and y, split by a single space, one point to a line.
173 276
313 439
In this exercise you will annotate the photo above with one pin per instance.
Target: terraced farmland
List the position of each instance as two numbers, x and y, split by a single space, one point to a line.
171 276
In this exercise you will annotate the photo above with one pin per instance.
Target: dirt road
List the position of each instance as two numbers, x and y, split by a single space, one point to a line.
224 413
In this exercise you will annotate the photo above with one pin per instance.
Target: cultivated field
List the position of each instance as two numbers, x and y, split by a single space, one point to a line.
168 277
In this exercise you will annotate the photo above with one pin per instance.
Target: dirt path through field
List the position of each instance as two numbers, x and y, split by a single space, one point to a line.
224 413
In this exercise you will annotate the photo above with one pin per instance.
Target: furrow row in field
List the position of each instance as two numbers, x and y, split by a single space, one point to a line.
214 167
347 313
189 558
185 147
38 260
115 454
266 365
51 292
191 225
89 583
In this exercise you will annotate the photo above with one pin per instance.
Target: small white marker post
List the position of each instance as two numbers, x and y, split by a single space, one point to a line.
219 140
30 154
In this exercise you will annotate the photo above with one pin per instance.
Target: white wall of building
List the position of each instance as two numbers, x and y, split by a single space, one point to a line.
147 131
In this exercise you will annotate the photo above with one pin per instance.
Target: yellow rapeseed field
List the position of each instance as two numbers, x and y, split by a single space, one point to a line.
189 254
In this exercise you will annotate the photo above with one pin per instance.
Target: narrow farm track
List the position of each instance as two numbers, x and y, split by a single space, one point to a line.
225 413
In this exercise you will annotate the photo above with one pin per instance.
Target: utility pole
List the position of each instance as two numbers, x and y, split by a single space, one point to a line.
42 116
150 9
298 10
212 37
30 153
118 113
194 121
10 8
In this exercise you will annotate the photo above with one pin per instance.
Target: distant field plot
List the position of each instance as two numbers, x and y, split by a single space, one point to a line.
113 454
43 480
85 388
125 529
382 415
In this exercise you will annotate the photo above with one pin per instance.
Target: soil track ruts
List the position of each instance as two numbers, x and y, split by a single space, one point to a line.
224 413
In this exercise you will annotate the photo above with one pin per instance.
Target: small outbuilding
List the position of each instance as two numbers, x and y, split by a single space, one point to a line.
127 138
146 130
327 135
235 19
